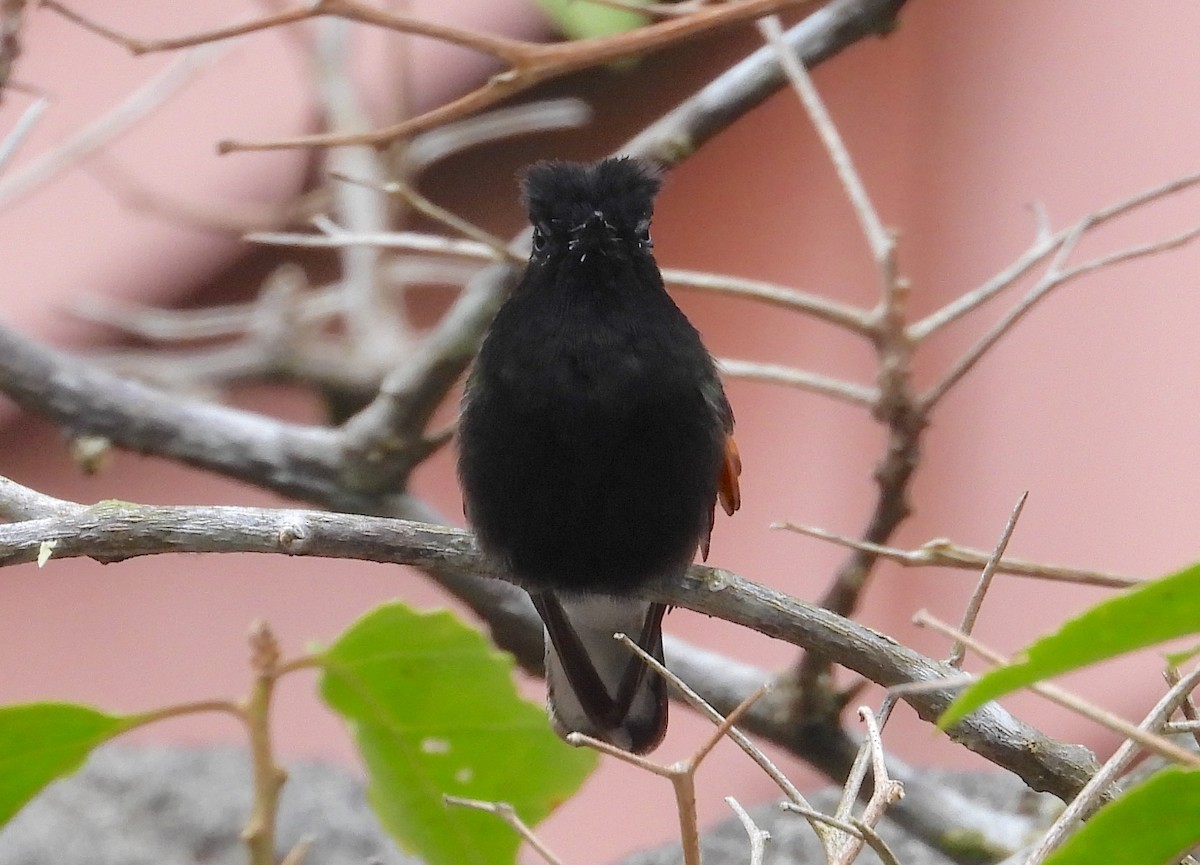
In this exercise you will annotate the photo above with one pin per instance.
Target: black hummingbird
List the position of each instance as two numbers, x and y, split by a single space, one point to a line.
595 442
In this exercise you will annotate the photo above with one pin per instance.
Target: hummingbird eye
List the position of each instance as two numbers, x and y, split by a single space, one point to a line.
642 232
541 235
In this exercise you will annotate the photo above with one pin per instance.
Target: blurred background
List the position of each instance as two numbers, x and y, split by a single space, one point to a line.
958 121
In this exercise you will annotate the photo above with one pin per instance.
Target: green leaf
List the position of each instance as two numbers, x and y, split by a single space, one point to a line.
1153 823
434 711
40 742
578 19
1152 613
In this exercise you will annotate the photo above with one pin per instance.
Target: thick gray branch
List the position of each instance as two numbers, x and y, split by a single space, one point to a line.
111 531
292 459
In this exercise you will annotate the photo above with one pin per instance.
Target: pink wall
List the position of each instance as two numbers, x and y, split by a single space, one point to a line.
958 120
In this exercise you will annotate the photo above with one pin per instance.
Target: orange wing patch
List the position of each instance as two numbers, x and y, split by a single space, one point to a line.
729 491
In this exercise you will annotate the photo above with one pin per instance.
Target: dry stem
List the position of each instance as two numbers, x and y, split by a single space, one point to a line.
1094 792
529 63
944 553
1157 744
959 651
509 815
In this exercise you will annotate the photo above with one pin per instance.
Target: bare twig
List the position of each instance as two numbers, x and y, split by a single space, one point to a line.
702 706
374 325
138 105
772 373
1186 706
259 833
887 791
213 322
1044 245
879 241
19 503
862 761
946 554
813 305
541 116
1157 744
758 837
508 814
404 240
498 46
682 774
1097 789
884 793
24 125
854 828
821 35
892 403
1057 274
453 221
529 63
299 851
958 651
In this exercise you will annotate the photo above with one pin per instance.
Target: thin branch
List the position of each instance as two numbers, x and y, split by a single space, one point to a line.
818 307
509 815
863 760
189 325
1157 744
1186 706
878 239
269 777
853 828
293 459
958 651
374 325
892 404
299 851
1044 245
453 221
681 774
404 240
24 125
821 35
530 63
885 791
703 707
137 106
1097 789
943 553
19 503
509 50
544 115
758 837
1057 275
788 376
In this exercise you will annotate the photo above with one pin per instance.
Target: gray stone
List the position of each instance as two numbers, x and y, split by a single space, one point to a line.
136 805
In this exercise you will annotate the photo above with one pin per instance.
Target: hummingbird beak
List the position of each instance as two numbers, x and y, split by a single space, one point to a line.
595 232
